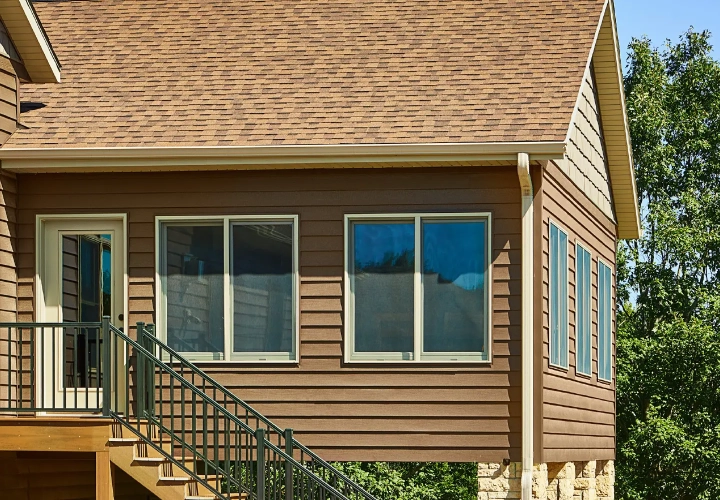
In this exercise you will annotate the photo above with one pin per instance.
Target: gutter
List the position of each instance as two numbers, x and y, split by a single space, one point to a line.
271 156
527 196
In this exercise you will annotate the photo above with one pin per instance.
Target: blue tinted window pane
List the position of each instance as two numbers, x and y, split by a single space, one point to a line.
382 269
558 297
554 309
563 298
193 282
604 322
453 275
262 287
582 293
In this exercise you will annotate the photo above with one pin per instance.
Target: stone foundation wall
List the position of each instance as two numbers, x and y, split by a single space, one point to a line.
594 480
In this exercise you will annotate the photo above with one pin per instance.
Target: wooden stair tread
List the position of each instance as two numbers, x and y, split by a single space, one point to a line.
174 479
154 460
131 440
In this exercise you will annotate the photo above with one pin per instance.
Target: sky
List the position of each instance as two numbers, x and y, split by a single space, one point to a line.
662 19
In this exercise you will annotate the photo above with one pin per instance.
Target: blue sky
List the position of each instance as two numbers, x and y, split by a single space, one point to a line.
661 19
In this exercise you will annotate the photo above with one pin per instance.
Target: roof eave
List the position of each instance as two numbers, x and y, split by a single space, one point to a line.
31 41
271 156
605 57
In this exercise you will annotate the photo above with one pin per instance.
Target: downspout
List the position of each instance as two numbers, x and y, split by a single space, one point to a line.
527 195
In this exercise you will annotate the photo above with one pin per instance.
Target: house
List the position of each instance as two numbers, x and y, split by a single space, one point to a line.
387 225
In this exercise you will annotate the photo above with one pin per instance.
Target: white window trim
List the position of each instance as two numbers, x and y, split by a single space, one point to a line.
566 368
580 244
611 309
417 356
229 356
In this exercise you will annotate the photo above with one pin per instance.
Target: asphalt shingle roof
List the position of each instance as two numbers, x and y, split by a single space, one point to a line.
260 72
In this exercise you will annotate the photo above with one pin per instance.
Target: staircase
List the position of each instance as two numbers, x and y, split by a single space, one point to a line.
177 431
156 472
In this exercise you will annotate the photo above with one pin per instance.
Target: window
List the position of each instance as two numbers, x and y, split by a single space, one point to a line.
229 287
418 288
583 335
558 297
604 322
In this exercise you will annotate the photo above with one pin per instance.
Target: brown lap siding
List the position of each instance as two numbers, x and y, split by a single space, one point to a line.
345 411
8 285
578 412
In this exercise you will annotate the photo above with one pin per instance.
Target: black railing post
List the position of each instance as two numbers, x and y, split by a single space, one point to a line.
288 466
260 476
150 371
140 366
106 363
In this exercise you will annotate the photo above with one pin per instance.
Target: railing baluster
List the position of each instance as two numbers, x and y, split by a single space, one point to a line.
33 367
288 465
105 333
115 372
260 438
126 360
140 391
102 372
86 375
194 427
20 372
9 368
41 348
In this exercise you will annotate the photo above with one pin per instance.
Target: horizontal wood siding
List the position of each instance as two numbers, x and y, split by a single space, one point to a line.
8 285
448 412
578 411
586 162
8 99
46 475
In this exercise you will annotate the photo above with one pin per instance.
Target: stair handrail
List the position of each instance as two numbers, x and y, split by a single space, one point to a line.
257 434
148 333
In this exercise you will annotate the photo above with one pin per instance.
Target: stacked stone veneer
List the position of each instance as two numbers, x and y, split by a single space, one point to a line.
594 480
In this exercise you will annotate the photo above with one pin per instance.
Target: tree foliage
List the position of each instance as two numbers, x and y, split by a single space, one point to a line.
415 480
668 281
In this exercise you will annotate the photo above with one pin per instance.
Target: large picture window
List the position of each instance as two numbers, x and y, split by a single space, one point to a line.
229 287
558 297
418 288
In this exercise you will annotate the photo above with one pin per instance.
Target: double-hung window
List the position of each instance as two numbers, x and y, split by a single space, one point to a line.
558 297
418 288
228 287
583 334
605 307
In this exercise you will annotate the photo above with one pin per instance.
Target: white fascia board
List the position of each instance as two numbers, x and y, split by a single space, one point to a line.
278 155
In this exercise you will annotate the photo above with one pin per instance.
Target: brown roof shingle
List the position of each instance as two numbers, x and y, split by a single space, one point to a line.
259 72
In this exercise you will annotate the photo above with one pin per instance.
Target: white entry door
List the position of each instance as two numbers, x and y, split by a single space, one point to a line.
81 275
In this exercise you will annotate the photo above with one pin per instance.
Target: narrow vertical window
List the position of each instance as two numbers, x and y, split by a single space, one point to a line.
583 336
604 322
558 297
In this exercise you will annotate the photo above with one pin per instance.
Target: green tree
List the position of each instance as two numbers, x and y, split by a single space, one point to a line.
669 285
415 480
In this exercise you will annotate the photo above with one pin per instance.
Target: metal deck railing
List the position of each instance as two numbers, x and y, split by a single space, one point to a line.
166 401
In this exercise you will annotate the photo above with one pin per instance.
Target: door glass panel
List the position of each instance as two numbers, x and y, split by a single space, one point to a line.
86 297
193 282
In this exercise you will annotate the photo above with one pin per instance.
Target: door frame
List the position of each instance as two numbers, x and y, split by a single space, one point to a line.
39 304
